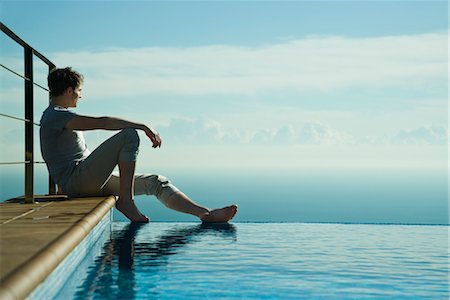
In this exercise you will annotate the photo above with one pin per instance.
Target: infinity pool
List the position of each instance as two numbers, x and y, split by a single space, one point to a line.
270 261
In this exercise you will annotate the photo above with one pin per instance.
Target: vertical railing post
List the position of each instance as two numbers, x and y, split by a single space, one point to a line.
29 54
29 157
51 183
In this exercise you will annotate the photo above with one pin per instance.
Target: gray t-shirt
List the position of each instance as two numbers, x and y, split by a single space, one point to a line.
62 148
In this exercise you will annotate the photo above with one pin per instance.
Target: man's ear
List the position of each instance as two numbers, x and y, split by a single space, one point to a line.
68 91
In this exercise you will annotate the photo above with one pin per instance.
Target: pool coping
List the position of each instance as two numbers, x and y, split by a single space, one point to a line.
20 282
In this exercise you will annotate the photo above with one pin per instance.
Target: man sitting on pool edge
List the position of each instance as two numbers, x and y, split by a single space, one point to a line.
81 173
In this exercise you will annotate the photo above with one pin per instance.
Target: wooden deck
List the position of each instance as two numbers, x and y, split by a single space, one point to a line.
35 238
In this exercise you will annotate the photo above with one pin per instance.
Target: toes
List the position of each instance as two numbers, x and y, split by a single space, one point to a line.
233 209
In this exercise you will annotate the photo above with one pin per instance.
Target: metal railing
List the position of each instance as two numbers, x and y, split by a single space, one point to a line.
29 162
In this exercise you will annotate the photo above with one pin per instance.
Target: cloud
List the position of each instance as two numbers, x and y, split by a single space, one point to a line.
374 140
315 63
283 135
425 135
263 136
431 135
202 132
318 133
311 133
199 131
185 131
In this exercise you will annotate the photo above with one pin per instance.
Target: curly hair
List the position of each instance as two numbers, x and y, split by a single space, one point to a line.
60 79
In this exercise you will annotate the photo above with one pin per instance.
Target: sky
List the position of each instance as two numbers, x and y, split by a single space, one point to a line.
247 84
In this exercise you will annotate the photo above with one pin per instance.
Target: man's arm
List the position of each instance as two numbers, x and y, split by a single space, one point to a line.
106 123
110 123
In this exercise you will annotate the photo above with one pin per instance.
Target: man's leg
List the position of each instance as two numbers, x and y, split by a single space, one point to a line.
125 203
180 202
91 175
171 197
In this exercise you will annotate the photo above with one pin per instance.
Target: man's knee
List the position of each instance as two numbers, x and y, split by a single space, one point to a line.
131 134
162 180
157 185
165 190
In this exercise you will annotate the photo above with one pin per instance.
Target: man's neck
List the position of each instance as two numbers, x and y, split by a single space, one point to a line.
58 102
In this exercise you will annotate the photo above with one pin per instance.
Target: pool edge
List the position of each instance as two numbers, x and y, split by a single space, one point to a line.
23 280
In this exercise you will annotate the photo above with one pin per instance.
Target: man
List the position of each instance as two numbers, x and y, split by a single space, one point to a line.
81 173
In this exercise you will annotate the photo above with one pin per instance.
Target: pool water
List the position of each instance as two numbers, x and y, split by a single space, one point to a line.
270 261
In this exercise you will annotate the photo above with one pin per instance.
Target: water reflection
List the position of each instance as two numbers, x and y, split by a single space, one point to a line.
121 251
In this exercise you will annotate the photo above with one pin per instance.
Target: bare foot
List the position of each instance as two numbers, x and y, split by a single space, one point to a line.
129 209
219 215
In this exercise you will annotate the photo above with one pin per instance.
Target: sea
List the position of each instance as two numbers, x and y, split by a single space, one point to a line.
381 196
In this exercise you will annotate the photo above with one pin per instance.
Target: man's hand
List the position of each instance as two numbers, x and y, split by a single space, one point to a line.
154 137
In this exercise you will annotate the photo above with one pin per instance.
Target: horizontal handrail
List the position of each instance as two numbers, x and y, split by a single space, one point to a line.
21 76
20 162
24 44
19 119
